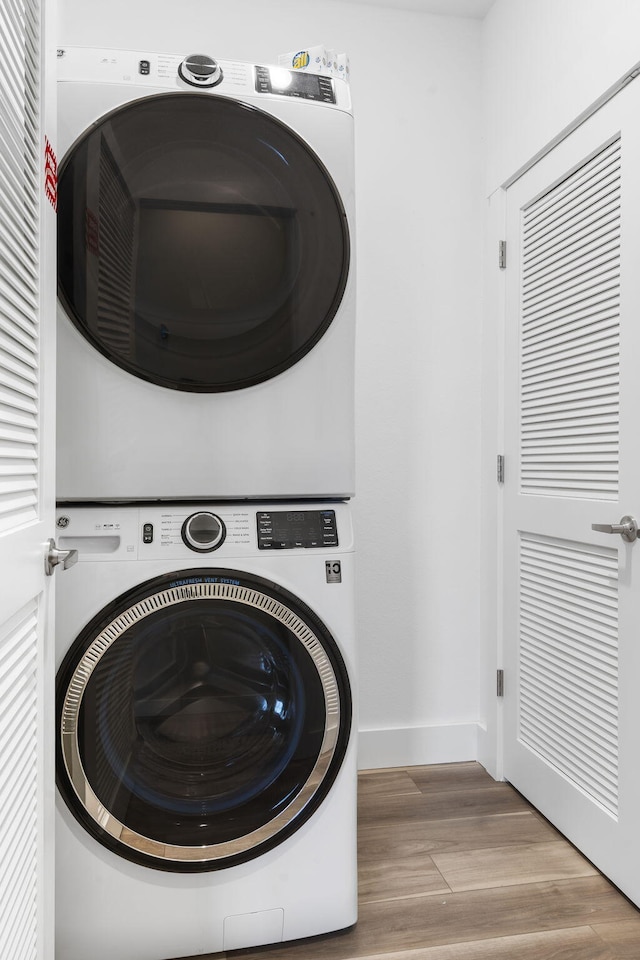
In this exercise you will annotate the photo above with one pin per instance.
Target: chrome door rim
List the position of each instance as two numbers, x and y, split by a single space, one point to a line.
151 604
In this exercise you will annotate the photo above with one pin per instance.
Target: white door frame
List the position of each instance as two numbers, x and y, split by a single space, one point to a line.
490 752
497 288
26 614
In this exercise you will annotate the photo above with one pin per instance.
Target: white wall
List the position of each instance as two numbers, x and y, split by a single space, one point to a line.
544 62
415 82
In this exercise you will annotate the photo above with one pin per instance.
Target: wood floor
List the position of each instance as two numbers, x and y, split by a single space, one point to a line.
454 866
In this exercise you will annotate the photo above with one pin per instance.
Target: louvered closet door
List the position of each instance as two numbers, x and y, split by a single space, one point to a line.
27 361
572 445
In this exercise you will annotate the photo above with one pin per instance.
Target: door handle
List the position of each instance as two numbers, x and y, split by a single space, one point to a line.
627 528
55 556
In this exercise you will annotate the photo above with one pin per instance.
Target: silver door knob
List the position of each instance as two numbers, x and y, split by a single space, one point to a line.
55 557
627 528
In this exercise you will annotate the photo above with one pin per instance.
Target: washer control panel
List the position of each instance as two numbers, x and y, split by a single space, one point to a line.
201 529
288 529
212 531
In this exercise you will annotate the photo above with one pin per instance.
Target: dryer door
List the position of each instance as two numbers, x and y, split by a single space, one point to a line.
202 718
202 245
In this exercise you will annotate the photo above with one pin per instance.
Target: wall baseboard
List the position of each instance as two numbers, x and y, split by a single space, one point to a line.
488 755
412 746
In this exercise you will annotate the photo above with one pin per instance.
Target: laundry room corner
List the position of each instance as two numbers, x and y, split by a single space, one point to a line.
415 81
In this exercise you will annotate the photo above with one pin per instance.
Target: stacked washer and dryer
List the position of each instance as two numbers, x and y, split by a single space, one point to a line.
205 641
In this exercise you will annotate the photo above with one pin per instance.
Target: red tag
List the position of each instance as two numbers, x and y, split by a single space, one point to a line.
50 174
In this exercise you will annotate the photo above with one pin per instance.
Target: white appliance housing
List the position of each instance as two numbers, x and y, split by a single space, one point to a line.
107 905
284 427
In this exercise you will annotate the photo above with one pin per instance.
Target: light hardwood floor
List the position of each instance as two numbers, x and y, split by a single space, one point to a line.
454 866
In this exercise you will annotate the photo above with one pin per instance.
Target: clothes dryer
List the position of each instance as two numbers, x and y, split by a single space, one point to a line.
205 278
206 750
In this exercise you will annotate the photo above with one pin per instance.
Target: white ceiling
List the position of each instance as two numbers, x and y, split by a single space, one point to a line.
451 8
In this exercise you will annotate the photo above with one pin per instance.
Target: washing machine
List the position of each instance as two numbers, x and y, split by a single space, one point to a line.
206 279
206 743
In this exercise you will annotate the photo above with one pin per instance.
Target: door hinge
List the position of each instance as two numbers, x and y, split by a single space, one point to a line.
500 683
500 467
502 254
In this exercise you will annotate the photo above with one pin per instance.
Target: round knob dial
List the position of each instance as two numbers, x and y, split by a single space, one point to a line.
200 71
203 532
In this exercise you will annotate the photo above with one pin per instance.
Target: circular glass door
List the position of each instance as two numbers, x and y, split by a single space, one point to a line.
202 245
202 718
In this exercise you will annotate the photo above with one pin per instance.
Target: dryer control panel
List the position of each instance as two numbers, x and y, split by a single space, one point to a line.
289 83
185 71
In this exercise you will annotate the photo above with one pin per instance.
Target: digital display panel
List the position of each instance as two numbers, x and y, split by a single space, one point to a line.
288 529
293 83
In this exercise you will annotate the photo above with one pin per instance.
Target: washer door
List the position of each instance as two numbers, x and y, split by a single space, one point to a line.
202 718
202 245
